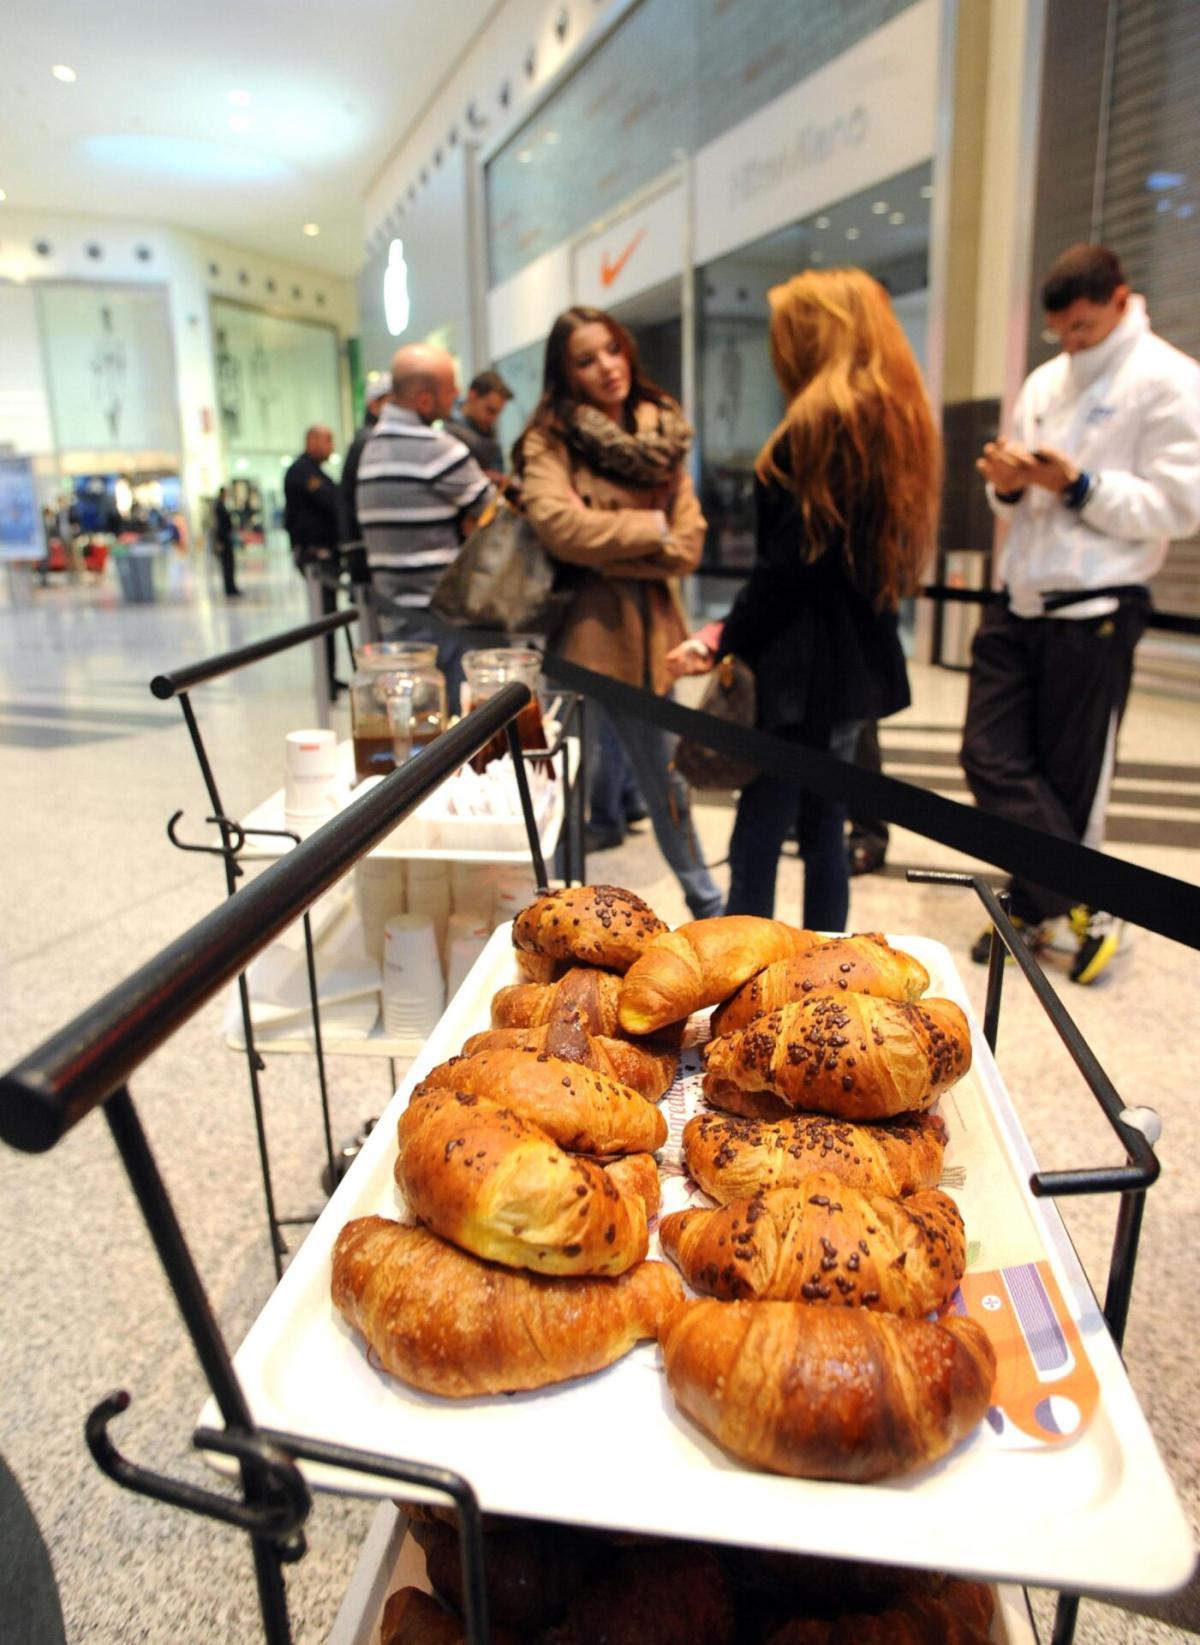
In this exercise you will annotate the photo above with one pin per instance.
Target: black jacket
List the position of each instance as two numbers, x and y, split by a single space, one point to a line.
311 505
349 530
820 650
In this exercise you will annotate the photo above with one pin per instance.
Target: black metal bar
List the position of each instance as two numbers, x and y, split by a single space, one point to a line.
311 962
995 982
166 686
516 754
1144 1166
1121 1266
441 1480
53 1087
1066 1615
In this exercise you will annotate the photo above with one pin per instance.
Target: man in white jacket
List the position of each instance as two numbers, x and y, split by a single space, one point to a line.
1099 472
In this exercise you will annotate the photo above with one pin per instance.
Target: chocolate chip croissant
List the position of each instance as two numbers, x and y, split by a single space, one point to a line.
852 1056
865 964
824 1242
587 925
734 1158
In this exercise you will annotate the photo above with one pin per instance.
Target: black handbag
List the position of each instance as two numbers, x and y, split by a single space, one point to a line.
502 579
729 696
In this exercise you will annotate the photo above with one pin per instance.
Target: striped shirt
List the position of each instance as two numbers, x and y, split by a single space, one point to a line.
415 485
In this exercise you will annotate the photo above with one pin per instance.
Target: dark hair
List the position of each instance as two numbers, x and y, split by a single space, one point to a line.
490 382
551 412
1088 271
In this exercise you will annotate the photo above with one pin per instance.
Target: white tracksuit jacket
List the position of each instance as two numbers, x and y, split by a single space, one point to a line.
1127 411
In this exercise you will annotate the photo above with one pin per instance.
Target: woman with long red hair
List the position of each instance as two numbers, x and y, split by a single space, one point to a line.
846 494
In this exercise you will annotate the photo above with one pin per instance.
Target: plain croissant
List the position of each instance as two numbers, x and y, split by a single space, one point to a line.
824 1242
446 1323
494 1184
581 990
642 1068
583 1111
828 1393
859 965
735 1158
850 1055
700 963
587 925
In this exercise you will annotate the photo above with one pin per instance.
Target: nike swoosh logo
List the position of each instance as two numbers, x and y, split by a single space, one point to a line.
609 271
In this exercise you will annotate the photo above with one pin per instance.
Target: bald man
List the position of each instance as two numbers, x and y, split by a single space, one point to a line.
419 493
310 518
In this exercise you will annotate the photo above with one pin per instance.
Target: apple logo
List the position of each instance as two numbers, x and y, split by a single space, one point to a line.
396 305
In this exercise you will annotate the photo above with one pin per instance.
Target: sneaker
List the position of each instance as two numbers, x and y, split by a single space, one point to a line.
1099 938
1031 936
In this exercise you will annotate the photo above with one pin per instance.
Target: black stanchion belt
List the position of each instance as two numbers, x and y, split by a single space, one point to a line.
1155 901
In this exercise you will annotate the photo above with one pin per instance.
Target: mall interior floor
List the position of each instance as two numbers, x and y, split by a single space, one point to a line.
92 767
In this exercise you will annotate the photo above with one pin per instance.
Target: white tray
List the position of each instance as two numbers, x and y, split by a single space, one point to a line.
391 1559
1096 1512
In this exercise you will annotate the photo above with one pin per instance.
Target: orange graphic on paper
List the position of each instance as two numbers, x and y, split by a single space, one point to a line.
609 271
1045 1385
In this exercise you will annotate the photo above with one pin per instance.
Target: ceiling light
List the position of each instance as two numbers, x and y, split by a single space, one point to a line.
820 222
525 156
240 99
311 229
239 122
927 191
60 71
896 217
879 207
853 233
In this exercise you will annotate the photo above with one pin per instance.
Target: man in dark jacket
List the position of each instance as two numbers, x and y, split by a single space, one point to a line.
377 390
310 518
223 541
475 424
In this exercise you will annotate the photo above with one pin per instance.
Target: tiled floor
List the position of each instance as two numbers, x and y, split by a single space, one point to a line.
92 767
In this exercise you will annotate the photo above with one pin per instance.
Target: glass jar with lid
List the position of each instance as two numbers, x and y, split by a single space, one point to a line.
397 704
486 671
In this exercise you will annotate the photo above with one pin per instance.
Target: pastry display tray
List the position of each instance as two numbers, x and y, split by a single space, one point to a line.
1064 1491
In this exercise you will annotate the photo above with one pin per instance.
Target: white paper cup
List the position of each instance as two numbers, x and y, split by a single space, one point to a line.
429 893
464 951
310 785
473 888
379 892
413 991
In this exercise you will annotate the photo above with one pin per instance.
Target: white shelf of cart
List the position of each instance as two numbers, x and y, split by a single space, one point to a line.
1091 1510
269 814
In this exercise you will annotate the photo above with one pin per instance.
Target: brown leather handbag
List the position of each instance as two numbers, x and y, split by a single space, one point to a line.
729 696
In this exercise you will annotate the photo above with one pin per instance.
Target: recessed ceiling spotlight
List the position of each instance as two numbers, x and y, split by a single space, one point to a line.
240 99
820 222
853 233
239 122
60 71
927 191
895 217
879 207
311 229
524 156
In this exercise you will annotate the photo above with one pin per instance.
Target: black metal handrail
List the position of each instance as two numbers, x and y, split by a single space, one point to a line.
166 686
53 1087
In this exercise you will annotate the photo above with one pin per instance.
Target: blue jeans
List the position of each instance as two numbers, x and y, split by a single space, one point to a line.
649 752
613 795
767 809
418 629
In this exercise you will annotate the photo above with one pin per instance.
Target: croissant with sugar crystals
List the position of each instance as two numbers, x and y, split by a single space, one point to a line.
828 1393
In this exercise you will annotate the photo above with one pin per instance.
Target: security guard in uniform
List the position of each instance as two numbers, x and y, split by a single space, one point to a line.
310 518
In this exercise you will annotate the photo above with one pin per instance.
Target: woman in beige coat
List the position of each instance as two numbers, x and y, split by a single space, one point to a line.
604 482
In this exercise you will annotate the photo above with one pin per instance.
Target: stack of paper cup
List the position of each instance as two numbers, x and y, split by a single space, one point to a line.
515 890
413 991
311 792
429 893
473 888
379 891
466 939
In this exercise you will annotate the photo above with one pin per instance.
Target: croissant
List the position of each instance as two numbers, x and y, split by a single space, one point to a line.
750 1105
734 1158
700 963
860 965
824 1242
448 1324
589 925
411 1617
673 1593
531 1569
828 1393
642 1068
960 1613
637 1175
849 1055
582 1111
591 993
494 1184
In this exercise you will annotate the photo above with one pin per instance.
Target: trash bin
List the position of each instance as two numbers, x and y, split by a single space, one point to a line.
135 568
960 619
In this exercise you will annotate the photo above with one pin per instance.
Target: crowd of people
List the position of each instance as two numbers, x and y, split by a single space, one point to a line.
1098 471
